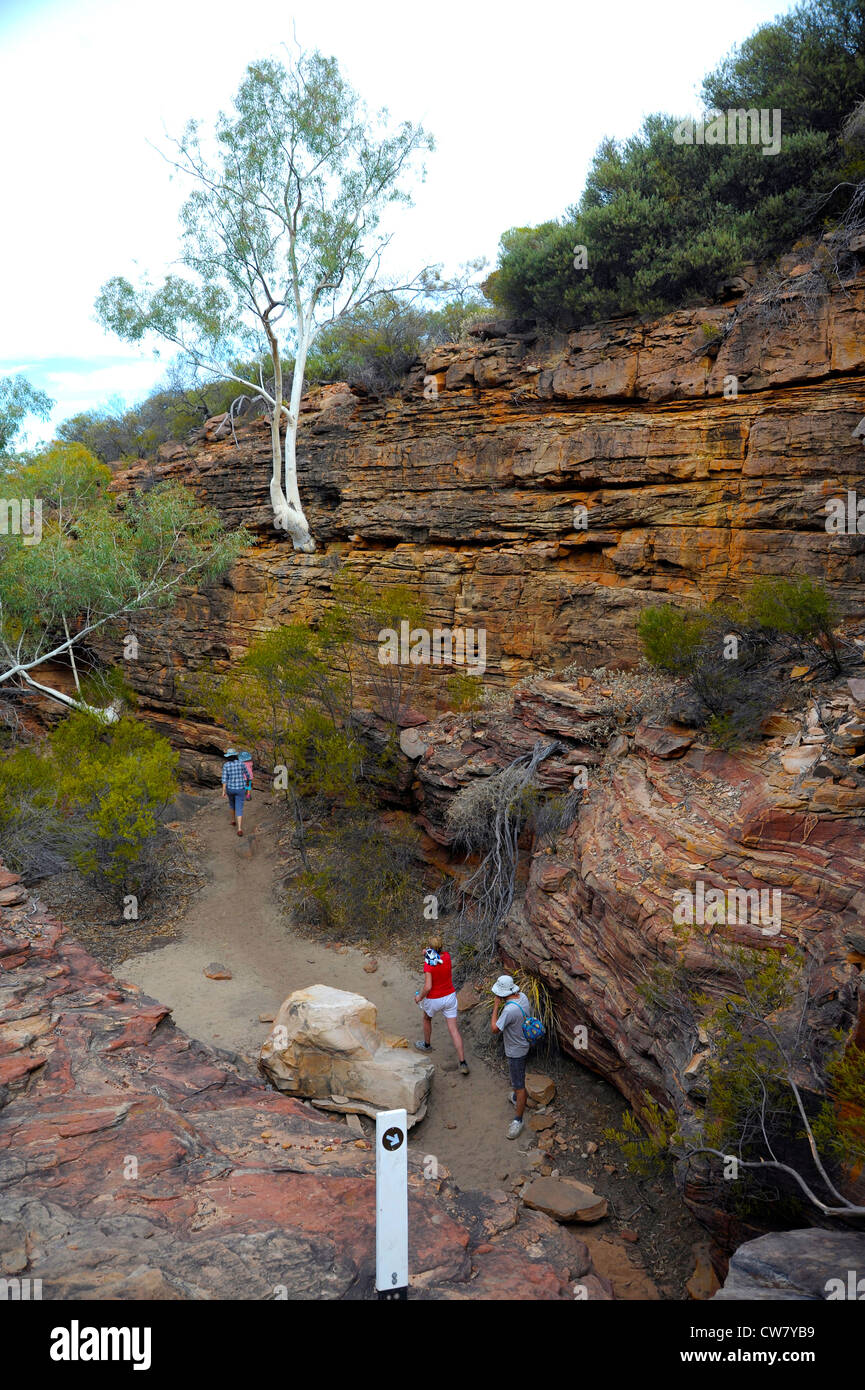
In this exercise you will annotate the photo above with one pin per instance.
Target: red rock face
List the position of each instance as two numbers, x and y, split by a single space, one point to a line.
137 1163
469 497
662 813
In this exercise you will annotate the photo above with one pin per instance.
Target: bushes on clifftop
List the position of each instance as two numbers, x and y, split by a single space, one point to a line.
662 222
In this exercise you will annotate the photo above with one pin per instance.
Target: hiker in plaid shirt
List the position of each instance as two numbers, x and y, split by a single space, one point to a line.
235 784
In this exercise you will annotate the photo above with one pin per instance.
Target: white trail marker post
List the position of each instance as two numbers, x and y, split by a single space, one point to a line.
391 1204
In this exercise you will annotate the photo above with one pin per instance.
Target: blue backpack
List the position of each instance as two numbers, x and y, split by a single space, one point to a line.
533 1029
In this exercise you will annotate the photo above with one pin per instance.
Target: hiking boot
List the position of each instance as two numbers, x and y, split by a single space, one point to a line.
515 1128
422 1046
464 1068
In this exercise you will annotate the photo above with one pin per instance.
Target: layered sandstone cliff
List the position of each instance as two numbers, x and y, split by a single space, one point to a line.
466 489
704 447
593 917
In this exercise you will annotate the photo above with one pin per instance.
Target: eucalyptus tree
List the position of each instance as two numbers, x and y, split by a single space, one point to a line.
281 234
88 562
18 399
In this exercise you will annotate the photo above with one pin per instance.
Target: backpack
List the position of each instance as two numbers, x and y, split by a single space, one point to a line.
533 1029
246 759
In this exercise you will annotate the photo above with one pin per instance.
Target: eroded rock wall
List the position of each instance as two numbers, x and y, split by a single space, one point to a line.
467 493
593 916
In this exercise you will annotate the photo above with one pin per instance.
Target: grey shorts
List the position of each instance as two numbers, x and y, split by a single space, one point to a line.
517 1069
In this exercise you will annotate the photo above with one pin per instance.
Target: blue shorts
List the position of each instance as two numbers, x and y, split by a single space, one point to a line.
237 801
517 1069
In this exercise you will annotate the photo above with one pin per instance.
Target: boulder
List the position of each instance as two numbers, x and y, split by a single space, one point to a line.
467 998
325 1046
565 1199
540 1088
661 741
798 1265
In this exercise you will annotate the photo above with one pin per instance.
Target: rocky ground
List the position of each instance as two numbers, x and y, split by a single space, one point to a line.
237 924
136 1162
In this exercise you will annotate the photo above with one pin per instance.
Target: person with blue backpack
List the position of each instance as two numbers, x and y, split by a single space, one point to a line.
236 784
519 1030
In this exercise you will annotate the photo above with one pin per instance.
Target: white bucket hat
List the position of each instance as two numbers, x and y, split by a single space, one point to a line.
503 986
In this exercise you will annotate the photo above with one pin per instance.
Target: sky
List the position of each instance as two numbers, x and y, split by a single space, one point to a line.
517 97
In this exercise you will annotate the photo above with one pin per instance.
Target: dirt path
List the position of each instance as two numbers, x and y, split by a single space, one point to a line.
236 920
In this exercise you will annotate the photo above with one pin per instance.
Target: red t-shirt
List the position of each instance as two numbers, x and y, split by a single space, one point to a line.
442 981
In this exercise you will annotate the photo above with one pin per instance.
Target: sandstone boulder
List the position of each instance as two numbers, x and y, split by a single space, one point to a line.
325 1046
540 1088
799 1265
661 741
565 1199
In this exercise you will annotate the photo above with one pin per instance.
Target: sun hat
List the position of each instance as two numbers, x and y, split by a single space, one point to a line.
503 986
231 752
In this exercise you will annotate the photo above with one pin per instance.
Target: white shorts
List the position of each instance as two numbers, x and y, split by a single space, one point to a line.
446 1005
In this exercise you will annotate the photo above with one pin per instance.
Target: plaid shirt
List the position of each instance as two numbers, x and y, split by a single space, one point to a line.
234 777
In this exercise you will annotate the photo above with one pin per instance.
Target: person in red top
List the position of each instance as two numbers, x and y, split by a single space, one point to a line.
439 997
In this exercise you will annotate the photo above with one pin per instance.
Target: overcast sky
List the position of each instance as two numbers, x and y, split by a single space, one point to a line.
518 98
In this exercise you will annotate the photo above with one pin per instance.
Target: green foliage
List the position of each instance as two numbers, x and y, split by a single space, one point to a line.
465 692
90 795
288 704
292 696
755 1054
31 838
663 222
19 399
734 683
363 881
286 214
799 610
117 779
645 1142
376 344
748 1064
671 636
810 62
839 1128
98 560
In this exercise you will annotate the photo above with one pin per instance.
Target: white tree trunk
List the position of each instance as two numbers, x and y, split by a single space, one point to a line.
288 513
109 715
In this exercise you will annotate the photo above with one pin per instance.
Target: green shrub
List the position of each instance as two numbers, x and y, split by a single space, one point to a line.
33 838
671 636
115 781
734 683
464 692
663 222
90 796
799 611
376 345
364 880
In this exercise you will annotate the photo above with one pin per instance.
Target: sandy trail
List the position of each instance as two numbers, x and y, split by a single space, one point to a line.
236 920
